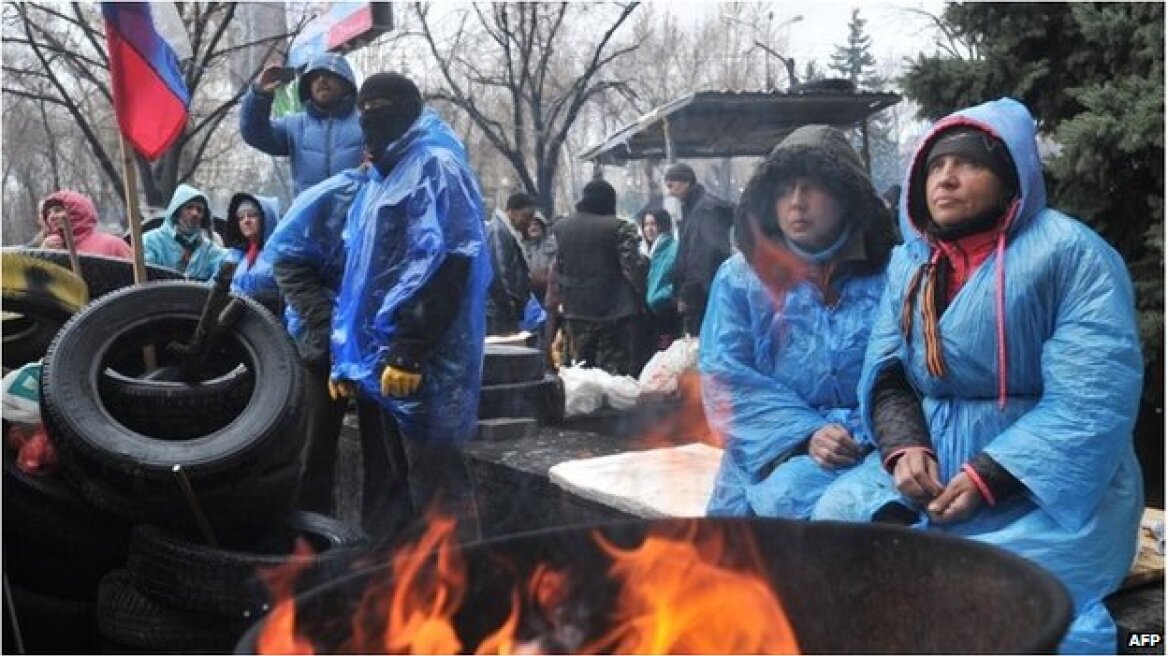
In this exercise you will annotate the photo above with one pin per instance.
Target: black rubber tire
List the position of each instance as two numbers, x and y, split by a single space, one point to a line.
125 616
503 364
542 400
101 274
94 445
27 337
50 625
178 410
196 577
242 506
53 542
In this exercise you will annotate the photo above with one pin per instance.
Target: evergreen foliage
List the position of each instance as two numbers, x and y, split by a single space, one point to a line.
1093 75
855 62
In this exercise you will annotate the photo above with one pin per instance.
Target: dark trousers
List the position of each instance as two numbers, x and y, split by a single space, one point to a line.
695 310
429 475
606 345
324 417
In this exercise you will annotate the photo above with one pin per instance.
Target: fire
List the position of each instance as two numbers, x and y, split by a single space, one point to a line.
676 598
280 636
430 583
687 423
679 591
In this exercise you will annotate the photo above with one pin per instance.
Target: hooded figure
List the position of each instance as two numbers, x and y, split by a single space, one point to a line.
83 218
786 326
321 140
1005 360
184 245
402 227
253 275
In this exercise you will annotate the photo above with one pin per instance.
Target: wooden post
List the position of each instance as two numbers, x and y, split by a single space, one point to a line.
130 176
864 146
668 140
70 245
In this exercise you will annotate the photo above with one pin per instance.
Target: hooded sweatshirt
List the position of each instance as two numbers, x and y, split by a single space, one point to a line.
83 218
253 275
163 247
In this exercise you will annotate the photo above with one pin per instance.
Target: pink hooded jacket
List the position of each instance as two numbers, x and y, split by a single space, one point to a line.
83 216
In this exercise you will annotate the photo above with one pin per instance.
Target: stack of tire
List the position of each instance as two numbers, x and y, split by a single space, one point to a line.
56 546
516 385
138 443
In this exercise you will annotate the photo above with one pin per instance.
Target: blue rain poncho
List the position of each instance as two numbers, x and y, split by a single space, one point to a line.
159 246
309 238
772 378
781 359
255 280
1044 376
400 229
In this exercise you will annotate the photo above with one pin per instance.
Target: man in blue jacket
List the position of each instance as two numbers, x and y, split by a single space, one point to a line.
322 140
183 241
409 318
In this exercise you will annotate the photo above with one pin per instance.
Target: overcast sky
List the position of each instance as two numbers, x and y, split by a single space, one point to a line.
895 32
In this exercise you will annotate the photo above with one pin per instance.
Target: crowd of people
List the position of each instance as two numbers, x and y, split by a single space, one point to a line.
961 358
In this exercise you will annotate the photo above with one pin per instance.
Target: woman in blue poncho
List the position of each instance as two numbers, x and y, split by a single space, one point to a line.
250 223
1004 371
787 323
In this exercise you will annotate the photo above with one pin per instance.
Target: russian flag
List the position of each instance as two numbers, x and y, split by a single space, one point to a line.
145 41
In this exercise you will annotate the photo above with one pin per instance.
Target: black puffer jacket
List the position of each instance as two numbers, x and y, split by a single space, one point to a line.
704 243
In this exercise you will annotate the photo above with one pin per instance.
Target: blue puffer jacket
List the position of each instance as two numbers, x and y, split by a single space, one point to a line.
255 280
1043 375
659 290
160 247
321 143
401 228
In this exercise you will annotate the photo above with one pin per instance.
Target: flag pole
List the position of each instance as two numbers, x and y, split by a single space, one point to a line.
130 179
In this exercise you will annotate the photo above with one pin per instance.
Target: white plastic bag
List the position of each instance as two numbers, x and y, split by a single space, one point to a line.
582 392
663 370
21 394
587 389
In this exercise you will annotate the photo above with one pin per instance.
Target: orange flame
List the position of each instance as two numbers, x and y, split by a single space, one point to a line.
279 635
676 598
688 423
429 584
678 593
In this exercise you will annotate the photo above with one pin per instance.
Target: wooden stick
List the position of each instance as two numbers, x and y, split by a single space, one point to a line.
196 509
130 176
70 245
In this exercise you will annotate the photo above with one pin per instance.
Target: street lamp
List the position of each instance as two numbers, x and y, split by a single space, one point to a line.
788 62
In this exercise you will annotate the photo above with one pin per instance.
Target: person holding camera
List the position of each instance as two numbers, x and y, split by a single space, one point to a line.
323 139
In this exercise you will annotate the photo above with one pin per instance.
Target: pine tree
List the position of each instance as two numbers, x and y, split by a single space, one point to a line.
854 62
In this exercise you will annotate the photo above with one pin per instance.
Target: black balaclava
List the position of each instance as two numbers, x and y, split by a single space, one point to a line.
382 126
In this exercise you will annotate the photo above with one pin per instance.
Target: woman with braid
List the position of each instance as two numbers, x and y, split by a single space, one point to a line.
1003 374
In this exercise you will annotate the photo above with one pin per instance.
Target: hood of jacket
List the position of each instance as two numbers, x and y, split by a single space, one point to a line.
183 195
81 210
269 208
1008 120
822 153
338 65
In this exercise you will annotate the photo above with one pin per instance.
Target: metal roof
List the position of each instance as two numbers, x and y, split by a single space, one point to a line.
733 123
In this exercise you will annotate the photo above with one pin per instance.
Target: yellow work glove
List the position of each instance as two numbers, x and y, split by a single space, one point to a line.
341 389
399 382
